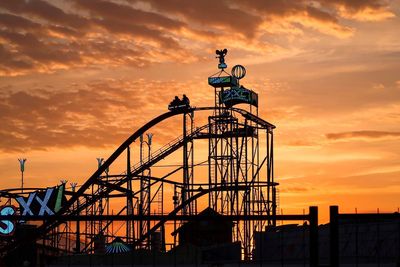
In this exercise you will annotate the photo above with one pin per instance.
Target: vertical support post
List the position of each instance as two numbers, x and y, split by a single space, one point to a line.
274 201
77 234
398 242
148 187
313 213
142 195
100 204
193 207
273 207
185 167
334 235
378 243
129 204
356 224
269 192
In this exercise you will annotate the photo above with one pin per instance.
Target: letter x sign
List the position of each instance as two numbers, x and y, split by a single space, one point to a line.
42 202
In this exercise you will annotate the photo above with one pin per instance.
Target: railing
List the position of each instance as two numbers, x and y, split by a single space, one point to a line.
373 241
166 147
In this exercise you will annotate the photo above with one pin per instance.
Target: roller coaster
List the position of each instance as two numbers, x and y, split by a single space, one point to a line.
146 203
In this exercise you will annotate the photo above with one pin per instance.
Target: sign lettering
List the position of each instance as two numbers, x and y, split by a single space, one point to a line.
7 227
239 95
42 203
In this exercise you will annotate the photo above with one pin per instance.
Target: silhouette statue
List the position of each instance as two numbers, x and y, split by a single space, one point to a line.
221 56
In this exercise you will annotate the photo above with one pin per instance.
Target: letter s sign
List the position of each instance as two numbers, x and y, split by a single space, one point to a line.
7 227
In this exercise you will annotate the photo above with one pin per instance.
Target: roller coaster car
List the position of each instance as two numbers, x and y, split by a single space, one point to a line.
179 105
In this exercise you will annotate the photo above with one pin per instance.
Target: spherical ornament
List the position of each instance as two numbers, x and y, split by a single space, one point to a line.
238 71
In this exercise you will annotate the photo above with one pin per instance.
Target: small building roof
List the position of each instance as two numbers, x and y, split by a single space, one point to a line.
208 214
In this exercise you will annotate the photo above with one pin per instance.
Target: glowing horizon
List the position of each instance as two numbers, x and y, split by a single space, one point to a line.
78 77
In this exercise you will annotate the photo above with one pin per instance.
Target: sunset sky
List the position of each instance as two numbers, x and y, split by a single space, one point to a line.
78 77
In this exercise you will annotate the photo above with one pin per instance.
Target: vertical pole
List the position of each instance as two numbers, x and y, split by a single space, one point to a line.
398 242
274 203
141 201
191 173
334 235
246 196
356 223
78 230
175 200
273 206
86 222
378 243
100 192
313 213
209 162
269 192
22 168
129 204
185 166
148 188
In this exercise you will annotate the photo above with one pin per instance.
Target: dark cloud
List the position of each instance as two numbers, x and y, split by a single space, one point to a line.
362 134
28 44
320 15
139 32
46 11
117 18
127 14
17 22
212 14
10 61
45 36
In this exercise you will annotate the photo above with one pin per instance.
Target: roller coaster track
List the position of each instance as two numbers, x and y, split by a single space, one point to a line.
140 167
51 223
153 159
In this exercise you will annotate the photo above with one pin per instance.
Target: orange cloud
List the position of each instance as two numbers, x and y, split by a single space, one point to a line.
100 114
362 134
41 36
367 14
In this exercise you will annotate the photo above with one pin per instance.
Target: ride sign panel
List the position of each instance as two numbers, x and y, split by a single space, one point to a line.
42 203
239 95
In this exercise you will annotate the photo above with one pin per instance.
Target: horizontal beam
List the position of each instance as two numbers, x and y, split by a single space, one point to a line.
287 217
369 216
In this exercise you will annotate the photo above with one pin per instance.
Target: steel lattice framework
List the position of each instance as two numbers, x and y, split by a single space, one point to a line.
240 184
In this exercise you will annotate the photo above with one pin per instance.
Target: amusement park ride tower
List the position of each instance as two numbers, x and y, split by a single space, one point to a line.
240 183
235 159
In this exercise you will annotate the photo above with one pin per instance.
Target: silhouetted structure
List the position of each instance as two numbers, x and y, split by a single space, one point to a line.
221 56
205 232
239 185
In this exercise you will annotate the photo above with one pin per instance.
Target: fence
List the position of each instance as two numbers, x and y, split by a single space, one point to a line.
348 240
364 239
